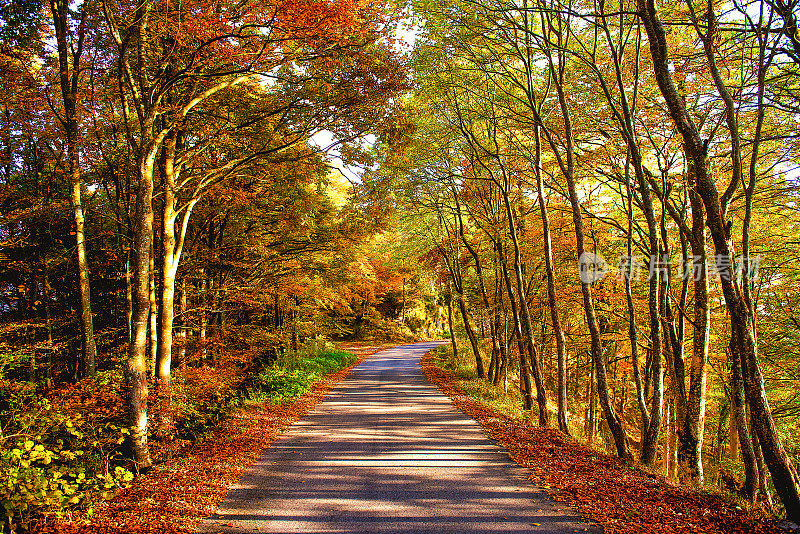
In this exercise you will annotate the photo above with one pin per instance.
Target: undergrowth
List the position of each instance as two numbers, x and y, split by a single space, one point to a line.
292 375
54 457
65 449
504 397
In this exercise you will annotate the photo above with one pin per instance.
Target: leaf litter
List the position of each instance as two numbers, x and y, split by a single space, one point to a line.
174 496
623 499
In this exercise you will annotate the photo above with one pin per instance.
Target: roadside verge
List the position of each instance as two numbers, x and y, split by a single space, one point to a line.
174 496
623 499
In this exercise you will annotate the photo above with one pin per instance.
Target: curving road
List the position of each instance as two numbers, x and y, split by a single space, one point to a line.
386 451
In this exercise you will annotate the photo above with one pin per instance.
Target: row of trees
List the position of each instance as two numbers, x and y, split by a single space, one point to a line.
673 150
135 134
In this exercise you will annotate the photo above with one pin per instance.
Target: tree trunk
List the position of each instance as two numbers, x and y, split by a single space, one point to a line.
733 433
690 465
403 309
171 249
740 414
724 411
69 77
136 387
484 296
567 165
502 331
454 267
89 348
129 296
524 376
152 345
591 418
761 468
182 321
203 336
472 338
449 300
673 447
527 327
669 430
784 476
624 115
47 315
552 301
633 334
165 427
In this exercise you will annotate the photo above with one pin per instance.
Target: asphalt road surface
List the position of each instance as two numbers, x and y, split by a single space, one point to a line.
386 451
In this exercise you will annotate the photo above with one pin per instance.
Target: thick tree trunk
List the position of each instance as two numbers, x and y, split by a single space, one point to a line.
171 249
633 335
89 348
690 430
136 387
165 427
740 414
653 430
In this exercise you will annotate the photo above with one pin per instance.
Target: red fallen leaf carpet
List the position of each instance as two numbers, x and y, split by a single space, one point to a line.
174 496
623 499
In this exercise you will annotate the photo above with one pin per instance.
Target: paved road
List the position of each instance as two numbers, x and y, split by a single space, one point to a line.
387 452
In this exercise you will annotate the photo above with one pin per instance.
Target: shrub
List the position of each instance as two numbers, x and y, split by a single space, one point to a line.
293 375
52 460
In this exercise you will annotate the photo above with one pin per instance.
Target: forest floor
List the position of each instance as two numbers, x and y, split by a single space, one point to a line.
622 498
178 493
175 495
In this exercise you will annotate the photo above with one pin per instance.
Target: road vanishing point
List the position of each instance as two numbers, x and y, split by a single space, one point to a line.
386 451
